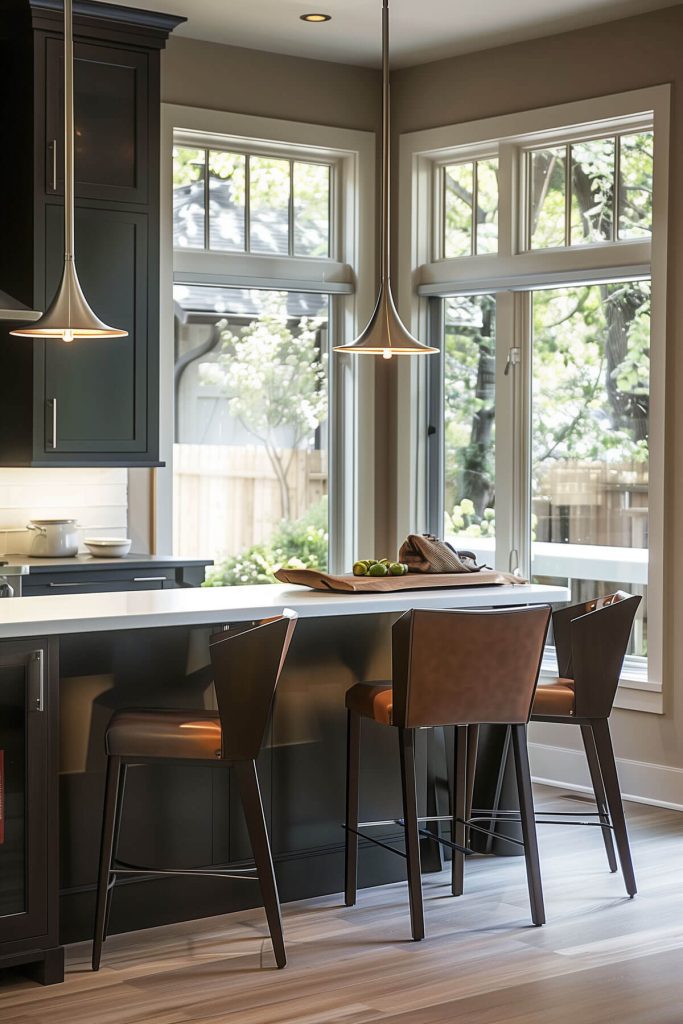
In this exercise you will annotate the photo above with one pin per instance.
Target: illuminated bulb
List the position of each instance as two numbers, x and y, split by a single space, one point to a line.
68 335
386 354
315 18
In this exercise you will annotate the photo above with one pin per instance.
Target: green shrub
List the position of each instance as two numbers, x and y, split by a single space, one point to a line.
301 544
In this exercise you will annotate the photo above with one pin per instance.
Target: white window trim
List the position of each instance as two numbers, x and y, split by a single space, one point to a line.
418 270
351 275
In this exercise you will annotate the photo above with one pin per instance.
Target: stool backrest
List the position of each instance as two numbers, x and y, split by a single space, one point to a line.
591 640
467 667
247 664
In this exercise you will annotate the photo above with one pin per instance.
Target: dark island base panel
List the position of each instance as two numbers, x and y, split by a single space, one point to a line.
190 816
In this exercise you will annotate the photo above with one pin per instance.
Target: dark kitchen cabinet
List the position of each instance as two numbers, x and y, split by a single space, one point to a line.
96 394
111 102
28 809
92 402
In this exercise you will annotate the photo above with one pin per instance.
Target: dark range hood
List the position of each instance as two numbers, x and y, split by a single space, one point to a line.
12 309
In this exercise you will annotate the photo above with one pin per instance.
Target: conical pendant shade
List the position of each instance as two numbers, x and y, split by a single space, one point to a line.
386 335
69 316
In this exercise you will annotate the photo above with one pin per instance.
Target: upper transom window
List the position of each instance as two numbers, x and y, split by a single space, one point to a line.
470 208
589 192
236 202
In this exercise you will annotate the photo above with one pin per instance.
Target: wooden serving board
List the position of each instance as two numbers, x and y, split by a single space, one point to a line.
318 580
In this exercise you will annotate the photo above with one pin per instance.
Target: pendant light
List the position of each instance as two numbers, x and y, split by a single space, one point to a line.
69 316
386 335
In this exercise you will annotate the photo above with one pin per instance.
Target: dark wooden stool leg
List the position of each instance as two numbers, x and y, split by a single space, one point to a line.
250 794
472 748
599 790
352 785
458 810
111 793
608 767
115 845
406 742
431 851
526 807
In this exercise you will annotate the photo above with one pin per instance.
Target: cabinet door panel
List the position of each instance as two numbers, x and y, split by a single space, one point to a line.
99 385
23 811
111 136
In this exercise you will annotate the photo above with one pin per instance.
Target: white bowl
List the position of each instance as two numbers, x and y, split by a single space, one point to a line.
108 547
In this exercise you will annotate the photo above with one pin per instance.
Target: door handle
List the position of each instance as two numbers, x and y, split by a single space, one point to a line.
52 149
149 579
53 438
36 681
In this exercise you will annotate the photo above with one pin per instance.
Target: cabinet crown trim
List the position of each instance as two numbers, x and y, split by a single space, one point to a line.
50 14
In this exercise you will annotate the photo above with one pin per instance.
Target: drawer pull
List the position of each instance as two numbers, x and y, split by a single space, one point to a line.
68 584
149 579
53 155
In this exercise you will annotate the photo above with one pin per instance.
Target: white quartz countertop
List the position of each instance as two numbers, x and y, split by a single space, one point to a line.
87 613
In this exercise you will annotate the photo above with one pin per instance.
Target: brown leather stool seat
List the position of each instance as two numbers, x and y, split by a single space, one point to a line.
164 733
372 700
555 697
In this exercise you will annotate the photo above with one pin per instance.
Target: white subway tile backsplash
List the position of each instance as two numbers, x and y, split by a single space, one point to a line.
97 498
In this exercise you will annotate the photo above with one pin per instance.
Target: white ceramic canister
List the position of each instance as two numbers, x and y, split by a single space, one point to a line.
54 538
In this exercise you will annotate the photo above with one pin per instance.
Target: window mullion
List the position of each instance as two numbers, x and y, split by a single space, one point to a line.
508 188
513 405
475 201
568 157
290 210
247 204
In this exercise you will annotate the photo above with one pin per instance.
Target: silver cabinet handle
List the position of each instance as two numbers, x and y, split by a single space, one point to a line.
53 438
67 584
52 148
149 579
36 681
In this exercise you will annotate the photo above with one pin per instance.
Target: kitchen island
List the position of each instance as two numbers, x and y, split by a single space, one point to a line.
67 662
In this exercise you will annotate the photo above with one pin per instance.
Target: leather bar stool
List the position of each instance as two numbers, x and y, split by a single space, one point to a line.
458 668
247 663
591 640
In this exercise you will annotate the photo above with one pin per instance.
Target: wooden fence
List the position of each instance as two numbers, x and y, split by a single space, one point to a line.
226 497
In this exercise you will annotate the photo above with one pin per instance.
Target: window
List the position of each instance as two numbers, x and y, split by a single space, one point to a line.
244 202
591 191
543 430
470 208
267 221
250 458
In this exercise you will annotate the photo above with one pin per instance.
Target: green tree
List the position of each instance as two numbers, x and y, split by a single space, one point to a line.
274 377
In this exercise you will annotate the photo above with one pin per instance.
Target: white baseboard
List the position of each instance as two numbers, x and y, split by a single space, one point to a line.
645 783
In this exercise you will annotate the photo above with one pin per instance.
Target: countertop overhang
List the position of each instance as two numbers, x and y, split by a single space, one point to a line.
92 613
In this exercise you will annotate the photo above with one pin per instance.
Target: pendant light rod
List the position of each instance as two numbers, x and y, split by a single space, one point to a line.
69 230
69 316
386 150
385 335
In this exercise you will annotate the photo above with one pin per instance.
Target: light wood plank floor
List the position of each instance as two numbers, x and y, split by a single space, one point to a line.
601 958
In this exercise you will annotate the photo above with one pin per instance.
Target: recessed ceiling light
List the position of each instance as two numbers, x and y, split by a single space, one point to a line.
316 17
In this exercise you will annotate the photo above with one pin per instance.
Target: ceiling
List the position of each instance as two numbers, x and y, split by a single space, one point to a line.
420 31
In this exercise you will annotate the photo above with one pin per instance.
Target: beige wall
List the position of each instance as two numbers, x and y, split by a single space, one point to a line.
610 58
201 74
